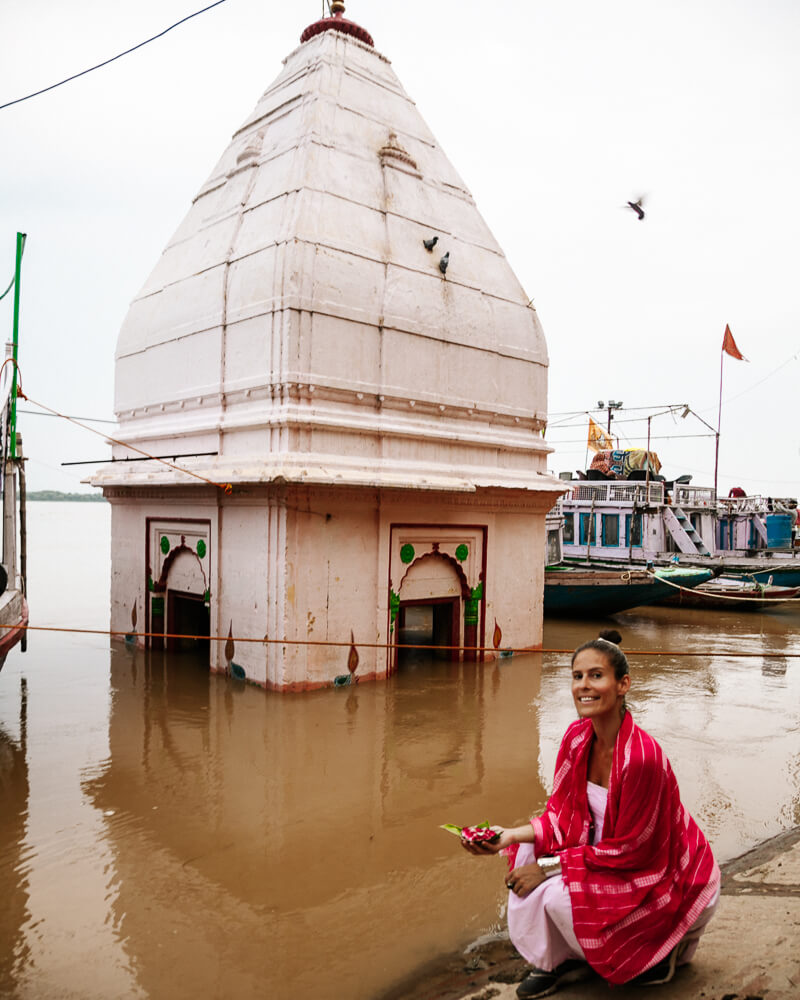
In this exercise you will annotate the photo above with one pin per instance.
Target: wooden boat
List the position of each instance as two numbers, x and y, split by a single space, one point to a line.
573 591
731 593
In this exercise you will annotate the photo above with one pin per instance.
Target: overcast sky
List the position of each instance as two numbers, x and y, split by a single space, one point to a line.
555 114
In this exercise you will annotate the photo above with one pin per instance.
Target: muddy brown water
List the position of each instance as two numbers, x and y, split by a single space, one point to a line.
166 833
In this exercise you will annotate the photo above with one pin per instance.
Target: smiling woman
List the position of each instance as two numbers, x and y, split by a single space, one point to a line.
636 879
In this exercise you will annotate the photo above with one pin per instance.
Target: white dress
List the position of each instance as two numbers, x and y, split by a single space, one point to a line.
540 924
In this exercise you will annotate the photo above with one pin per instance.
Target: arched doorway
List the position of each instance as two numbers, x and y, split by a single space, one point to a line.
430 608
186 611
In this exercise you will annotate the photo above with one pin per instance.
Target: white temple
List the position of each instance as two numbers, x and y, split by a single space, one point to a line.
375 408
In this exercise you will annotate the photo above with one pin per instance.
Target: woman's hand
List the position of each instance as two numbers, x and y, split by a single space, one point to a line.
525 879
489 849
508 836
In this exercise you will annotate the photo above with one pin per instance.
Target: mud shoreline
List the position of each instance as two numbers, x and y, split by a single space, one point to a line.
749 951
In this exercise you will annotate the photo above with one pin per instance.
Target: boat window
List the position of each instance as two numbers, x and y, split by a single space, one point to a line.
569 528
633 530
586 520
610 529
553 547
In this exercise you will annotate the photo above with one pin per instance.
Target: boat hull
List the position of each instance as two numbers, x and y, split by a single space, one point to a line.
13 619
732 598
585 592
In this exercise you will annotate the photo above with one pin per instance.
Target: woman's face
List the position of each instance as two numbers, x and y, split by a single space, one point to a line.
595 689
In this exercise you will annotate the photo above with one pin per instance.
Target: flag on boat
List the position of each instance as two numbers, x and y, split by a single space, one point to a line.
598 439
729 345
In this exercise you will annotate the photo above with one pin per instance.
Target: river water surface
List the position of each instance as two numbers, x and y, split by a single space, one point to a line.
167 833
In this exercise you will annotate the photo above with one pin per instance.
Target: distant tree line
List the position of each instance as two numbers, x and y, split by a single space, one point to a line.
75 497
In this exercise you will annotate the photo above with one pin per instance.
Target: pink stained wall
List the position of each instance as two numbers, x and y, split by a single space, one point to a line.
315 565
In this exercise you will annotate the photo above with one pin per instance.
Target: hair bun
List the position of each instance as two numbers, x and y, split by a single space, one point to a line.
611 635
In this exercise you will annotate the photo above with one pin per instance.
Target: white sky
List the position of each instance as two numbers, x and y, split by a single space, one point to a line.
555 114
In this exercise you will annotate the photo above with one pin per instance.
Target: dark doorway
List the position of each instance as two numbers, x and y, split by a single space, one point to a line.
428 623
187 614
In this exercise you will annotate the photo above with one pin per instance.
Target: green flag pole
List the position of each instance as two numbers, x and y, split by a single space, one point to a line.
21 237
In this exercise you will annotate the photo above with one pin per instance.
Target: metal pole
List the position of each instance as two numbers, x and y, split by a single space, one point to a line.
12 430
719 422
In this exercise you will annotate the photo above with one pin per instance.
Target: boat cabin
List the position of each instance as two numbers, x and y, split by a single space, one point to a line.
621 513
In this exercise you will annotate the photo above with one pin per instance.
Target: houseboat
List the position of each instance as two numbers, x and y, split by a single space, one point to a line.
596 591
651 520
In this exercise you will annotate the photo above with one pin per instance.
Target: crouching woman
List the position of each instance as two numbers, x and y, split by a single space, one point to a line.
615 875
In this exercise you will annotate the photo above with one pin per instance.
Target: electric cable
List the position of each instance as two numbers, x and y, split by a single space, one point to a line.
226 487
21 254
70 416
91 69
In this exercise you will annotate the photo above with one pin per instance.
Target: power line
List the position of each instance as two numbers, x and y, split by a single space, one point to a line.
69 416
636 437
11 283
91 69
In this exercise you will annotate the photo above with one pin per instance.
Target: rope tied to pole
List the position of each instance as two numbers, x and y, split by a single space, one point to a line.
227 488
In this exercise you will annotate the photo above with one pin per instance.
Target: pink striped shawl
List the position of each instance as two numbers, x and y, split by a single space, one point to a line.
636 892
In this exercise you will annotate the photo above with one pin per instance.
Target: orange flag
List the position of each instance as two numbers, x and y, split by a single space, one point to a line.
729 345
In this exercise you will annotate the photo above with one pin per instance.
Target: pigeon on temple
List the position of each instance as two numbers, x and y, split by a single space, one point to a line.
637 207
430 244
444 262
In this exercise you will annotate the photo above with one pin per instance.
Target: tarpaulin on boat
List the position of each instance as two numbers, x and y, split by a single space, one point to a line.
622 463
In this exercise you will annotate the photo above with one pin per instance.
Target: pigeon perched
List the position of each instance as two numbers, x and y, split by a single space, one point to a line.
444 262
430 244
637 207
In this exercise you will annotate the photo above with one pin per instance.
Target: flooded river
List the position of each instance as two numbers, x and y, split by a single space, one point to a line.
165 833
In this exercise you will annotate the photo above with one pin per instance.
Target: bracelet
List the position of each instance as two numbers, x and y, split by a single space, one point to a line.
549 865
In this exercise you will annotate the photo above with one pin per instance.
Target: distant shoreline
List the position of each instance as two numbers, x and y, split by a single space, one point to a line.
69 497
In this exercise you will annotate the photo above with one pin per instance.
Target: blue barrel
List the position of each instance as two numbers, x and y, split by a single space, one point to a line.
779 531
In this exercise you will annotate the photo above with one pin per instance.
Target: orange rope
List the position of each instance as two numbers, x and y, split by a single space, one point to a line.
19 374
227 487
382 645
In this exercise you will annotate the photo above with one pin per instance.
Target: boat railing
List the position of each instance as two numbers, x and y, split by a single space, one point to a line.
694 496
617 491
729 506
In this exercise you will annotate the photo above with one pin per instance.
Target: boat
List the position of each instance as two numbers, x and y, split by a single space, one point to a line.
591 591
13 606
732 593
571 591
636 517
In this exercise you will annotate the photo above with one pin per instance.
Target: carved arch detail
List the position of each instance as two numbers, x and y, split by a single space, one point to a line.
161 584
454 563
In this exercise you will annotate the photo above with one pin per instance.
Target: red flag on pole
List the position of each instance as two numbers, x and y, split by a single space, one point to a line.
729 345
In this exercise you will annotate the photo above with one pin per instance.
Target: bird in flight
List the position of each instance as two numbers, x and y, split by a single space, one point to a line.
637 207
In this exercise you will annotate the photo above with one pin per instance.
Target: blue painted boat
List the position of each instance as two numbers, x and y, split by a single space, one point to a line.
576 591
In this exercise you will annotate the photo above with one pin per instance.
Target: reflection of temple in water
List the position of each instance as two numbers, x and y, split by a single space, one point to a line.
334 332
262 824
14 793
